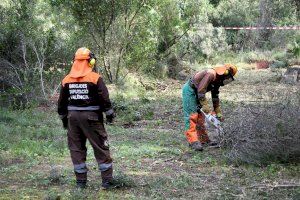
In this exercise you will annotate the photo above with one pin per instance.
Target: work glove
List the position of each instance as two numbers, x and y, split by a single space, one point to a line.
219 114
204 105
220 117
65 122
110 118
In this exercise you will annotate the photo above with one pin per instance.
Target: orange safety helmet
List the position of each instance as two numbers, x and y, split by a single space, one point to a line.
226 69
83 62
84 53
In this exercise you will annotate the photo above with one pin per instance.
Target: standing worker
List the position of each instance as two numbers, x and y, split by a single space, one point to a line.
83 98
193 94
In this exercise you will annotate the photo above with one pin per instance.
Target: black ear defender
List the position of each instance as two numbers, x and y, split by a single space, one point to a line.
92 59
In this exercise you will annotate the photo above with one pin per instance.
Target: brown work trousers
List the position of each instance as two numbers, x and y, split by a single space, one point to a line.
83 125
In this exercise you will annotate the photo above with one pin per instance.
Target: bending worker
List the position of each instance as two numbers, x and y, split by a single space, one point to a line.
83 98
193 94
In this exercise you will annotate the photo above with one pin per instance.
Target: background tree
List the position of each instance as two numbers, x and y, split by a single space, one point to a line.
110 26
38 38
29 48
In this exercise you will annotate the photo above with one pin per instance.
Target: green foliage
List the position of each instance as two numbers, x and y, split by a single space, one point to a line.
39 37
205 43
294 48
117 31
256 13
235 13
284 12
278 64
28 51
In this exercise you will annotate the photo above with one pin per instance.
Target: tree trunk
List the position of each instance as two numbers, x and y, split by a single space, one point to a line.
265 20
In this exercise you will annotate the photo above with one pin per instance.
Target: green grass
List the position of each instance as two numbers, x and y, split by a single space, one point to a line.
155 165
151 156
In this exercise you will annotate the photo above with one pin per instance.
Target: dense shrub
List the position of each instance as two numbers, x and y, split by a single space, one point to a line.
203 42
32 55
294 47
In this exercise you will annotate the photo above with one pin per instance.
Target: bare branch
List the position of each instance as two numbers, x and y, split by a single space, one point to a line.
40 58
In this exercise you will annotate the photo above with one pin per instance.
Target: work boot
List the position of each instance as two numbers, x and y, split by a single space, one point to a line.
197 146
81 184
110 184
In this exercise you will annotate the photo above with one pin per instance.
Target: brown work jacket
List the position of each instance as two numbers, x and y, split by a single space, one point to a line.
83 94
